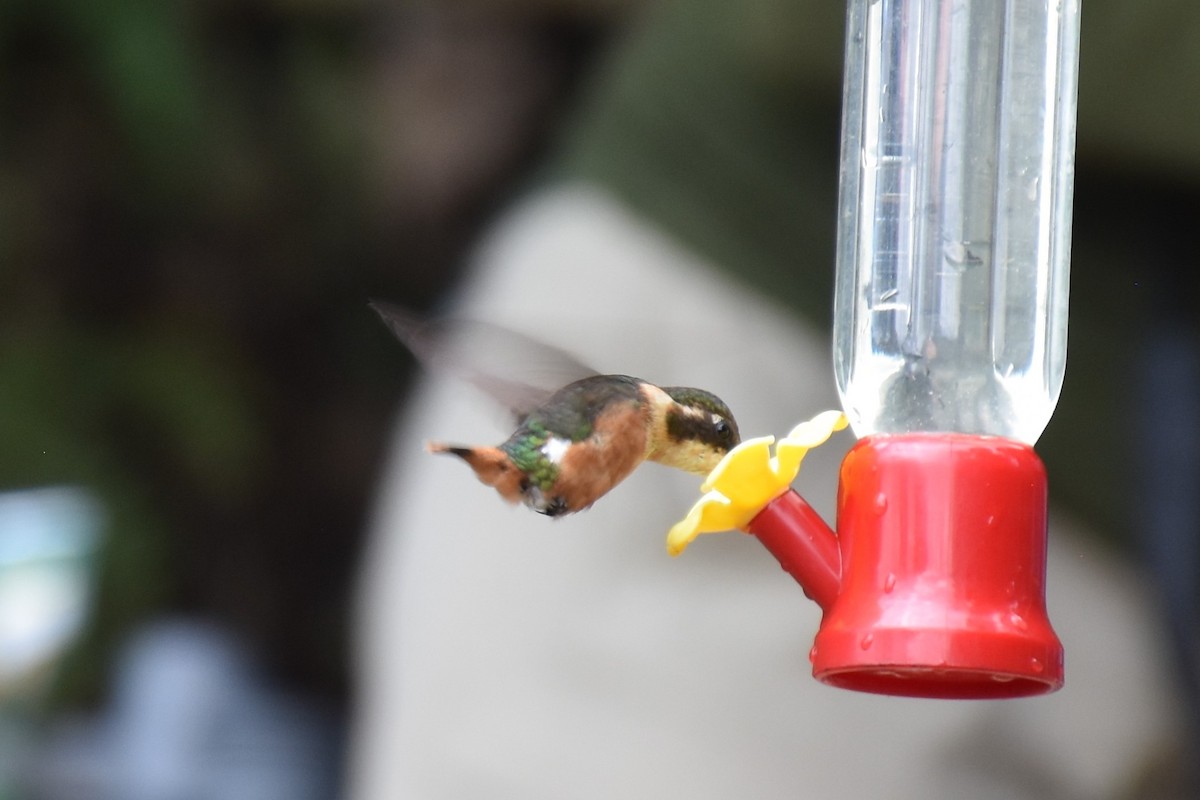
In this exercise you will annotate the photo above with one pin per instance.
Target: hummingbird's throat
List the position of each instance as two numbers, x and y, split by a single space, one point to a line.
671 441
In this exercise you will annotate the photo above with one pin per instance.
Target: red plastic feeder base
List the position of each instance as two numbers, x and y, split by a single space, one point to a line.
941 586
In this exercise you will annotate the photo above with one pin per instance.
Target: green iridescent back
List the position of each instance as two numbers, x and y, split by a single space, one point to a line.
570 413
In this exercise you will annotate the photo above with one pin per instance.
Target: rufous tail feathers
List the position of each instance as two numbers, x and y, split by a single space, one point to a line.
491 464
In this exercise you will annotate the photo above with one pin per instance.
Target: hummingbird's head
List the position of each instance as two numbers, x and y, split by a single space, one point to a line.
699 430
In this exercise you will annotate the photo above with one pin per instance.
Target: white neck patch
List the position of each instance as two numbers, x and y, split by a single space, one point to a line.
555 448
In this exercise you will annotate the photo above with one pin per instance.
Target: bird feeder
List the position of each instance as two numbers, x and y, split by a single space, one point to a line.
949 352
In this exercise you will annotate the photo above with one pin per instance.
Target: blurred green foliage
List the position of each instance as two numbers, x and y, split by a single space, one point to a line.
182 189
193 215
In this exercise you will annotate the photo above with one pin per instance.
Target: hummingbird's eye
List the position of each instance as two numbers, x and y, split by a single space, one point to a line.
721 426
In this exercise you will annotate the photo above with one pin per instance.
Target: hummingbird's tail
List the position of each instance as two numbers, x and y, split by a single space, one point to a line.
465 453
492 466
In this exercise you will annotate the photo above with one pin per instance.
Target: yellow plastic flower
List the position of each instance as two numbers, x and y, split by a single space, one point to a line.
749 478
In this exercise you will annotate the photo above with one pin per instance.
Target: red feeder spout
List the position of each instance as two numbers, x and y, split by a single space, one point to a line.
934 584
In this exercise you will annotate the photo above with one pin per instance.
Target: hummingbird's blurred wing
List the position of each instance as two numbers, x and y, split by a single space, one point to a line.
517 370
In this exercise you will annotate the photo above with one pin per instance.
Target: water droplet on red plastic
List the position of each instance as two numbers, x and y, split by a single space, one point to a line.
889 583
1017 621
1037 666
867 641
881 503
812 654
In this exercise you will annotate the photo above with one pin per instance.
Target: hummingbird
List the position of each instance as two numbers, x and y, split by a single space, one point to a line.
574 443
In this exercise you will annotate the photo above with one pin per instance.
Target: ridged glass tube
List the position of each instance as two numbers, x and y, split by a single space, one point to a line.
955 214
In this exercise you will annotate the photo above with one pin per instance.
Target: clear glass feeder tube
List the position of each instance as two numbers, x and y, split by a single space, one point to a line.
955 212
